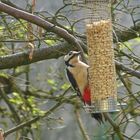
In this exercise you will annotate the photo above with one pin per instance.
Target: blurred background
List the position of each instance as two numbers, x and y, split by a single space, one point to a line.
33 89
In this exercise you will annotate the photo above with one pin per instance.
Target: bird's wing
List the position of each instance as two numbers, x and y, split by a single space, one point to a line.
73 82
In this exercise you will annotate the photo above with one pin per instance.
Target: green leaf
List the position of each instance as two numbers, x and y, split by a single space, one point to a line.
65 86
51 82
50 42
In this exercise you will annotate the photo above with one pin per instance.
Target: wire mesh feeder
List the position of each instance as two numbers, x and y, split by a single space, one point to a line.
102 74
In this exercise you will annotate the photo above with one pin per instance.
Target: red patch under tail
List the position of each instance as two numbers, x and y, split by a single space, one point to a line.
87 95
87 100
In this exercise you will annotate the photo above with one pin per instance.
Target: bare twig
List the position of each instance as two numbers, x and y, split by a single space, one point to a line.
19 14
127 33
11 107
69 99
114 125
129 138
80 124
129 91
128 70
28 123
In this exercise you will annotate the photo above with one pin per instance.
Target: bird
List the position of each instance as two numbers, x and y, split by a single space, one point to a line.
77 74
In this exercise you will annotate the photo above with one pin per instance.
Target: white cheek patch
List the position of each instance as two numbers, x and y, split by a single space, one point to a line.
66 57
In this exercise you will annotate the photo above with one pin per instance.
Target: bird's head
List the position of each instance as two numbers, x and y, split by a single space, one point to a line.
72 57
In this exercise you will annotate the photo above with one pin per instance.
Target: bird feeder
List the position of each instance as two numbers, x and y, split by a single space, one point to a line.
102 75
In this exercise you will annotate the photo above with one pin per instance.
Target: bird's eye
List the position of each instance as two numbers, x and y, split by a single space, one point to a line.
70 53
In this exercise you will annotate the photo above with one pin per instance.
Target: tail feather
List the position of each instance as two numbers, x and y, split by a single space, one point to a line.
98 117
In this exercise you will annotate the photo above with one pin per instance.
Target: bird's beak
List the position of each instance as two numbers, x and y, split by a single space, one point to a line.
78 53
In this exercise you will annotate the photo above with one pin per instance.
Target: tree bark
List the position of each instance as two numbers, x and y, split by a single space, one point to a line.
54 52
18 59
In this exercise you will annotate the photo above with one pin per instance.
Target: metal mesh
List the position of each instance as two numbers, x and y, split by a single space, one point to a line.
98 10
77 2
109 104
95 9
102 75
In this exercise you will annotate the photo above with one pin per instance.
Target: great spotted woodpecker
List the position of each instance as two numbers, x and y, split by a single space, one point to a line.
77 74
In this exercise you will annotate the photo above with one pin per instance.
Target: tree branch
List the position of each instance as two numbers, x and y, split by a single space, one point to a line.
11 107
19 14
27 123
18 59
114 125
80 124
126 34
128 70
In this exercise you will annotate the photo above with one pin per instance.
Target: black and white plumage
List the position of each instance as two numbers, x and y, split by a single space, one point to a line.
77 74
